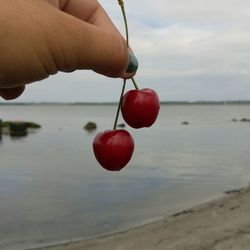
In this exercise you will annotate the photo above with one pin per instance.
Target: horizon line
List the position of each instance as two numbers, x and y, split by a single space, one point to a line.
113 103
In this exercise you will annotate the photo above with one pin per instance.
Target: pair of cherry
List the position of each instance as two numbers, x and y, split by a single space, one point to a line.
113 149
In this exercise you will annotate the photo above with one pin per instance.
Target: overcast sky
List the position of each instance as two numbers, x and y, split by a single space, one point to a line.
188 50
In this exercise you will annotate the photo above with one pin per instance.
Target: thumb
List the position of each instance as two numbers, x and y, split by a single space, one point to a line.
80 45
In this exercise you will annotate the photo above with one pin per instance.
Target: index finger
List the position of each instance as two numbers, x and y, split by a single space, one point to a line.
89 11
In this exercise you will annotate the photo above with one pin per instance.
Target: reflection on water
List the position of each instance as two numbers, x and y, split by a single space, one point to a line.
52 189
4 133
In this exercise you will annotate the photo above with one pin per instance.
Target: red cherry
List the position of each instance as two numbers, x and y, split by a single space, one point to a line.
113 149
140 108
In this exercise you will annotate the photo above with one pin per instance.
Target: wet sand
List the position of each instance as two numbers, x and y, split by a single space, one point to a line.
221 224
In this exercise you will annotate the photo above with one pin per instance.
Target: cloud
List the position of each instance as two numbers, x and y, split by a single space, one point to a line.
188 50
200 47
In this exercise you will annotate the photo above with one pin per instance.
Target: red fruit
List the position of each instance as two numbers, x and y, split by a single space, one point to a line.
113 149
140 108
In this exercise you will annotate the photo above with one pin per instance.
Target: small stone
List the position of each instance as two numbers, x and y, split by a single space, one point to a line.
121 125
90 126
245 120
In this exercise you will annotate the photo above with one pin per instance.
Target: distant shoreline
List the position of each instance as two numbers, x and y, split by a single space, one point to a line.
114 103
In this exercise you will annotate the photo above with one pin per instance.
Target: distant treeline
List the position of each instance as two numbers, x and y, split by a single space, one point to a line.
114 103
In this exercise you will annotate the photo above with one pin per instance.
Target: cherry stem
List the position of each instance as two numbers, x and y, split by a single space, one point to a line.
120 104
134 82
121 3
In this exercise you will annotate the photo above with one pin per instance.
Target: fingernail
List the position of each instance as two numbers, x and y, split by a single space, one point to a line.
133 63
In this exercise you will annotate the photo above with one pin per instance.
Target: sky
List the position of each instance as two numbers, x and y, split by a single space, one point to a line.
187 50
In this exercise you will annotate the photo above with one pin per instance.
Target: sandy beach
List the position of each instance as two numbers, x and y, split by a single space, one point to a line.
219 224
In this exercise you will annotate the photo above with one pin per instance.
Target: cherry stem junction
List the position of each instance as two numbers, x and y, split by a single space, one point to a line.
120 104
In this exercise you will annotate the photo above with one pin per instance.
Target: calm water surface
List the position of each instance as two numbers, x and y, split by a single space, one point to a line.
52 189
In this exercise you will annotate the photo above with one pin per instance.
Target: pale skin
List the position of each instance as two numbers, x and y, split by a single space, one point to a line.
38 38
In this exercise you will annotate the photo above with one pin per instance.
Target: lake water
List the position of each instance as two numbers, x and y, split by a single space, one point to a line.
53 190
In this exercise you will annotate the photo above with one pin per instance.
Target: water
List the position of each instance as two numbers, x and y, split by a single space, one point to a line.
52 189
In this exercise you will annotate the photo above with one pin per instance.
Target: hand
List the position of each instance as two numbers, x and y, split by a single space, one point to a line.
41 37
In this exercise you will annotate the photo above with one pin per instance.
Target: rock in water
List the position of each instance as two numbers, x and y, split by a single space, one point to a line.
7 124
90 126
18 129
245 120
0 129
121 125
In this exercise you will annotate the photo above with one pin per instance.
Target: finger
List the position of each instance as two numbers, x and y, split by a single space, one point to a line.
89 11
13 93
80 45
92 12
